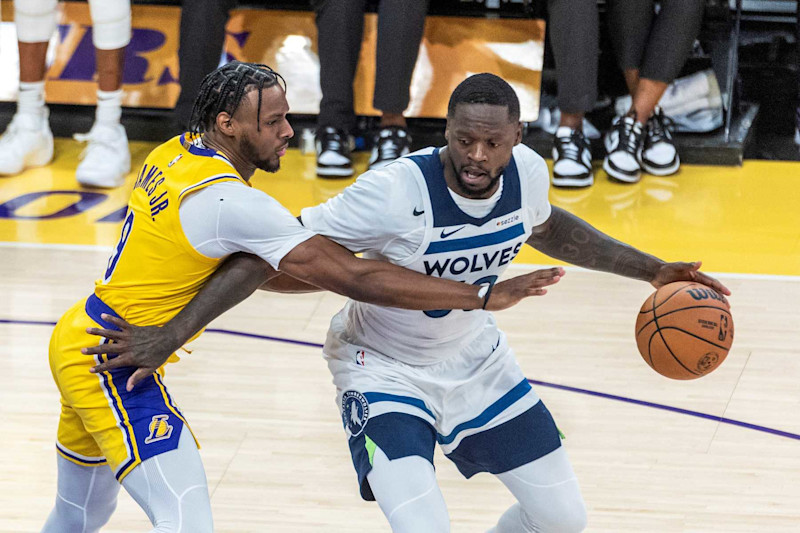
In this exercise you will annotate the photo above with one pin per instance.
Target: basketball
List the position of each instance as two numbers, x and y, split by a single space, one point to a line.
684 330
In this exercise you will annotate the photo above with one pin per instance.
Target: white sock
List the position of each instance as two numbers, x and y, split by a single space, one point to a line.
109 107
31 98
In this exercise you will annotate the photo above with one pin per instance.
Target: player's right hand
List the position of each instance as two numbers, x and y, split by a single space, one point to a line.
145 347
509 292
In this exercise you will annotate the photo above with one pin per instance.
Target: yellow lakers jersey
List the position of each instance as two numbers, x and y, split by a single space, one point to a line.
154 271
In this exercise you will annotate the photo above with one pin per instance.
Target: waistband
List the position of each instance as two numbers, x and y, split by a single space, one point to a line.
95 307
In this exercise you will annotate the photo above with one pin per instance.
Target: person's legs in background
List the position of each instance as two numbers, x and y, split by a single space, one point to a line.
630 22
202 38
340 25
670 42
28 141
401 24
576 73
651 53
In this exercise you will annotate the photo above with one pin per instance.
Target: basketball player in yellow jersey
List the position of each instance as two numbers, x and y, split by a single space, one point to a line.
190 208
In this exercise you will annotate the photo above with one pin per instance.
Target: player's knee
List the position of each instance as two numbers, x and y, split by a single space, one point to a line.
561 516
99 514
182 524
411 520
68 517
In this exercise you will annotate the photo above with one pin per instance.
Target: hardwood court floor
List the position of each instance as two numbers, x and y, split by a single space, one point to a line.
728 459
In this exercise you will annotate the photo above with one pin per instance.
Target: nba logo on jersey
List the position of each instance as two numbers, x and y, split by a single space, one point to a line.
360 357
355 412
159 429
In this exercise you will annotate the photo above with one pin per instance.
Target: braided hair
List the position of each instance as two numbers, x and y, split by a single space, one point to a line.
485 89
225 88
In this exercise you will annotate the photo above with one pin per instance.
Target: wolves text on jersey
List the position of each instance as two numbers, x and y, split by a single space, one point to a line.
477 263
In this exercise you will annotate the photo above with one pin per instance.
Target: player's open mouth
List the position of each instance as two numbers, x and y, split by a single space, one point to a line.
473 176
282 151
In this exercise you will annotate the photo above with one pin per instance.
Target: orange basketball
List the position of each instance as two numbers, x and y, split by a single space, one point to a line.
684 330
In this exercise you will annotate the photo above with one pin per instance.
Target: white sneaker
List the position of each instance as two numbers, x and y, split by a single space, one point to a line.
659 156
624 147
334 149
106 160
572 159
389 143
26 143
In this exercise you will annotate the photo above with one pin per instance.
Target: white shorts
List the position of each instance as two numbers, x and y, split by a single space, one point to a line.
478 406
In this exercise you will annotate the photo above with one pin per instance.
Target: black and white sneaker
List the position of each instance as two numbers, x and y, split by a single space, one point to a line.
572 159
389 143
333 153
659 155
623 148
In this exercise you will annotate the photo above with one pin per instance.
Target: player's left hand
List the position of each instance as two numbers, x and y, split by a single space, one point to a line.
680 271
143 347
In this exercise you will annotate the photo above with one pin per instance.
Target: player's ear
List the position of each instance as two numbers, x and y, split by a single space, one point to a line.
224 124
518 138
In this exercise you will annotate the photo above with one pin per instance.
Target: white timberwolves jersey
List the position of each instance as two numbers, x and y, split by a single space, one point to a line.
447 243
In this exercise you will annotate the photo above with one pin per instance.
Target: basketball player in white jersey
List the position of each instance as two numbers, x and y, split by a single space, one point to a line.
408 379
28 141
191 207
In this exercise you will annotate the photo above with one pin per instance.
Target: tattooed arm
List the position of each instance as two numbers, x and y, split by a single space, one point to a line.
568 238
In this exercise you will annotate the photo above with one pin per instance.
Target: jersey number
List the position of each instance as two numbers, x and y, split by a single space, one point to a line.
491 280
123 240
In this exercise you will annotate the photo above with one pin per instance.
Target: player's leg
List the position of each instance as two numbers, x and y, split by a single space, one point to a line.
172 489
28 141
526 454
506 430
548 494
140 433
106 160
86 498
86 490
388 421
400 475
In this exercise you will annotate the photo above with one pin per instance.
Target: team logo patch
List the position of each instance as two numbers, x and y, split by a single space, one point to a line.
355 412
160 429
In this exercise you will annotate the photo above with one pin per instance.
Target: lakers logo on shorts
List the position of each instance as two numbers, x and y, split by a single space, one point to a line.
160 429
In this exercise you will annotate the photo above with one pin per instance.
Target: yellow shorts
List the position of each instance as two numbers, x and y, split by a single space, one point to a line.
102 423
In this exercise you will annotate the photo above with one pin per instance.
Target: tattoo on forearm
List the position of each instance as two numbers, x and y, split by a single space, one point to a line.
571 239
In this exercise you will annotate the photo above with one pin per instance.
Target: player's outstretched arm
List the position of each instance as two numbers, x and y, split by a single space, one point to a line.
320 262
568 238
149 347
325 264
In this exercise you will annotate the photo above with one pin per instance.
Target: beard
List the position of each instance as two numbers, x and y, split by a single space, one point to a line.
251 154
470 191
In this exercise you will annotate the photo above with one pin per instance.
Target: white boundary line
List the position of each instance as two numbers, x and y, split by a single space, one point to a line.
513 266
75 247
727 275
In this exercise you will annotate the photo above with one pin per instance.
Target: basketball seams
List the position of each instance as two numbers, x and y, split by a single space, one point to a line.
722 309
665 300
665 328
663 340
